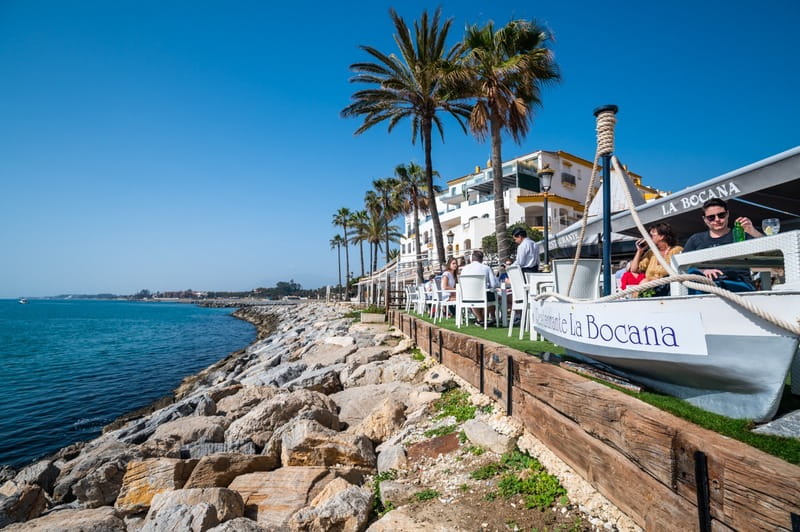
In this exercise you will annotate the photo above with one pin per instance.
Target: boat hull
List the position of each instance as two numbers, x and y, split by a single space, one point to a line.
703 349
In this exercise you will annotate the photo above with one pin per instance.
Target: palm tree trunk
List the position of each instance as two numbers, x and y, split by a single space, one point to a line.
361 249
420 277
503 245
339 252
386 209
347 262
437 225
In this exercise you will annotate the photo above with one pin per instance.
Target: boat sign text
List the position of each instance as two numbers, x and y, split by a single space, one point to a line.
694 201
664 332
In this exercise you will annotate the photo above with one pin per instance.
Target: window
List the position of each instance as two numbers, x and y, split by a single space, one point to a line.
567 179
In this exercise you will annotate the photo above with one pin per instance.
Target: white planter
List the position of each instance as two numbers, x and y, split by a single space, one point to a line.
368 317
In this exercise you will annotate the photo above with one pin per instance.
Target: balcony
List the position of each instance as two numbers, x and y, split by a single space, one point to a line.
515 174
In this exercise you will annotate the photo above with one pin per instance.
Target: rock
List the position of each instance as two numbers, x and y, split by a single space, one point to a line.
259 424
277 376
42 473
362 375
196 518
96 519
400 519
323 354
307 443
440 379
340 506
201 449
205 407
193 428
238 404
93 455
483 435
101 486
219 470
433 447
396 493
392 457
340 340
400 369
388 417
144 480
270 498
20 502
140 430
7 473
405 344
242 524
227 504
358 402
324 380
366 355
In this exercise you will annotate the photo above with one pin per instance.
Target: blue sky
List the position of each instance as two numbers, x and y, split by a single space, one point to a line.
175 145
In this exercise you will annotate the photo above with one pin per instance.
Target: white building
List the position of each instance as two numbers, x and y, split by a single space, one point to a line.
466 208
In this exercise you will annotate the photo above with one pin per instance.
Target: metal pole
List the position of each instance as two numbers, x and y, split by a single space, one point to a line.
546 237
606 206
606 224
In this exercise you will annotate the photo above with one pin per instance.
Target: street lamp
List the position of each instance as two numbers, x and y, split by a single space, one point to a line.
450 237
546 180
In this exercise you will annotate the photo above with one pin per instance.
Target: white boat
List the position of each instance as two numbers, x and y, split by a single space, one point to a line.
700 348
726 354
23 301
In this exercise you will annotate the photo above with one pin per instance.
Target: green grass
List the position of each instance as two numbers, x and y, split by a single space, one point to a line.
440 431
426 495
378 508
455 403
417 355
785 448
523 475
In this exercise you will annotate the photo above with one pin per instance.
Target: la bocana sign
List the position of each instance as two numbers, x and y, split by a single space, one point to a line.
659 332
372 317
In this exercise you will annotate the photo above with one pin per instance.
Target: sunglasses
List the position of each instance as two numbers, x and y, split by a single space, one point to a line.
718 216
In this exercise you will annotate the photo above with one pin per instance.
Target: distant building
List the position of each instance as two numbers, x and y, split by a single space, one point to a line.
466 208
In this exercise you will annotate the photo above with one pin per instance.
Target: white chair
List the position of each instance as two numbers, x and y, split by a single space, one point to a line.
472 294
411 297
519 298
421 299
586 284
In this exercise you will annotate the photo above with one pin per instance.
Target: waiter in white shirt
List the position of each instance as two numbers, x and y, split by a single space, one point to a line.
527 251
477 267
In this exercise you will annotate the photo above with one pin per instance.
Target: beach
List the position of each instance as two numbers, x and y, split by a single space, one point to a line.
313 410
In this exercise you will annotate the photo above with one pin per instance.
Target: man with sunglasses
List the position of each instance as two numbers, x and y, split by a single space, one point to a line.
716 217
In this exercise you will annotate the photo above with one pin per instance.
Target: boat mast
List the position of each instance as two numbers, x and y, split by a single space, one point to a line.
606 119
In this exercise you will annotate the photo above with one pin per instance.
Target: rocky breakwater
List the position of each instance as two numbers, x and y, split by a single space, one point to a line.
323 425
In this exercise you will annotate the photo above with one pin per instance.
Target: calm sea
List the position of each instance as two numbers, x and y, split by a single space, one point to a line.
69 367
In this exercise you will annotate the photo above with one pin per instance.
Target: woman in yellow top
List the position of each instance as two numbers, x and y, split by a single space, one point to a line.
644 261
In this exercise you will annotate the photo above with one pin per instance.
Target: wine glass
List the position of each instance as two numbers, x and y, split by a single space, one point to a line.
770 226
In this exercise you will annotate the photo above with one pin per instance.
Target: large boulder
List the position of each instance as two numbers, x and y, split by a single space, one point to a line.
196 518
20 502
307 443
101 486
339 506
242 524
322 379
191 429
358 402
227 504
92 457
270 498
42 473
392 457
259 424
145 479
95 519
238 404
218 470
387 418
403 518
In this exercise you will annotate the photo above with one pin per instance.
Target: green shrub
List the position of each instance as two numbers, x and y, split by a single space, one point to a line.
426 494
440 431
455 403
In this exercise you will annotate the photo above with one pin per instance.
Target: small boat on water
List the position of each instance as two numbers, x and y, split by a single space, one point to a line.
22 301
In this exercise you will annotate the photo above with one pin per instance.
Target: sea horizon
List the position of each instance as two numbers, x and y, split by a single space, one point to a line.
71 366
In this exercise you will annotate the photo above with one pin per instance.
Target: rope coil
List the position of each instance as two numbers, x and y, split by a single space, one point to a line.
606 120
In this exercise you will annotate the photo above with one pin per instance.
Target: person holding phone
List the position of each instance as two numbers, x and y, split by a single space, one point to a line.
644 262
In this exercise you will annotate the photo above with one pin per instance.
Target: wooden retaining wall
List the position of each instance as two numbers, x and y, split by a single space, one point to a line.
642 459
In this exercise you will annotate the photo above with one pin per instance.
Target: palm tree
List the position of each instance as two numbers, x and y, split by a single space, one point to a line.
374 207
336 242
410 182
504 71
410 86
358 221
342 218
385 188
